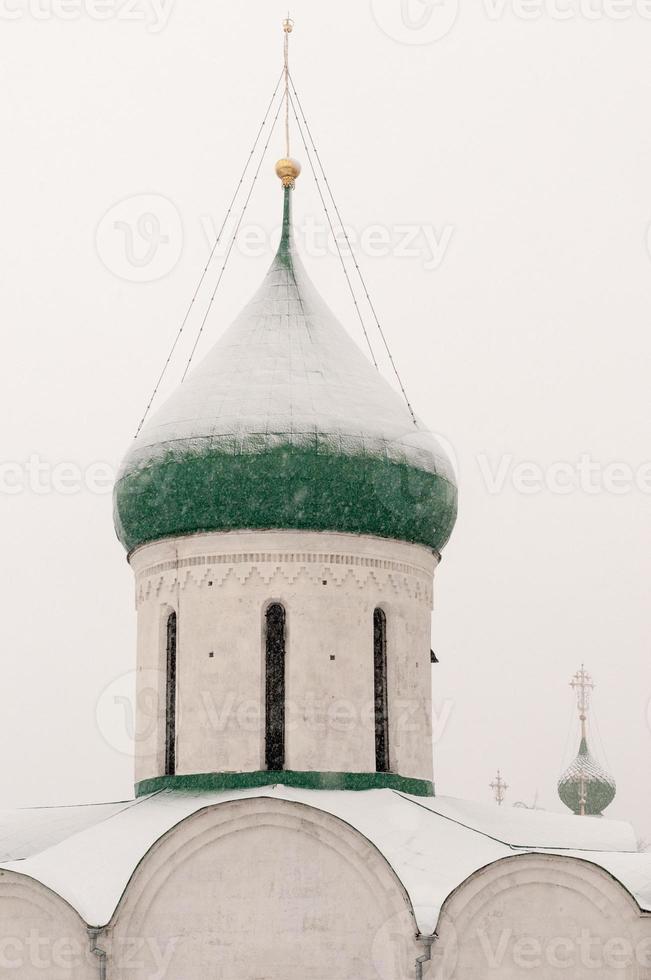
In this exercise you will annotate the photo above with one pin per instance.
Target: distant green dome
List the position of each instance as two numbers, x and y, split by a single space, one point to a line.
285 424
585 778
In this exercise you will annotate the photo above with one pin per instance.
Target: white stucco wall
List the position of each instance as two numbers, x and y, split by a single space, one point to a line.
220 585
264 889
40 935
541 917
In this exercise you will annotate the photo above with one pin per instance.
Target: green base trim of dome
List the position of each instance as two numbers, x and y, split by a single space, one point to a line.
597 799
598 796
206 781
285 487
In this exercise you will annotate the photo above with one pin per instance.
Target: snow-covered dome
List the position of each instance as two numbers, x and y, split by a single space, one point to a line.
285 424
585 787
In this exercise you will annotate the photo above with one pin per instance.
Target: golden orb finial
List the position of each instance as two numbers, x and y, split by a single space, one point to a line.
288 25
288 170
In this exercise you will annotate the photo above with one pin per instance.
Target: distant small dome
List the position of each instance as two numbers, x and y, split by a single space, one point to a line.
285 425
586 778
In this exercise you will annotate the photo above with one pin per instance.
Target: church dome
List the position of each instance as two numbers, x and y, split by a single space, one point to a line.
285 424
585 787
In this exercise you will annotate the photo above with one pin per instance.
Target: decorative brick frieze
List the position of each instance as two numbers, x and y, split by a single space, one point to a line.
336 569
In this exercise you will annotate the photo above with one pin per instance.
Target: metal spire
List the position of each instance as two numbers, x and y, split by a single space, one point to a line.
499 788
583 686
287 168
288 27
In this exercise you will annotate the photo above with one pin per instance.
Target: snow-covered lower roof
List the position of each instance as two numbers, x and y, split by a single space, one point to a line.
31 830
433 845
536 829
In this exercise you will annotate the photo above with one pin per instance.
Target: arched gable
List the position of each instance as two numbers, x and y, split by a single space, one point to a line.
268 885
41 935
531 915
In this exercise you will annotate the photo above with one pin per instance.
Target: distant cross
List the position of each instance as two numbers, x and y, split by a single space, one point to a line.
583 687
499 788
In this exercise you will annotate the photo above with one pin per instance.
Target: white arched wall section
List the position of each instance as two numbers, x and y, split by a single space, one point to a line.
330 584
264 888
541 917
41 936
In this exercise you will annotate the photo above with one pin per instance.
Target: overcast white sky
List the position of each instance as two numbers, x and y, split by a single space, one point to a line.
495 167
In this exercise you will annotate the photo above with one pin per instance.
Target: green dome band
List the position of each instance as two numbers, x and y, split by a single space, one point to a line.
288 487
